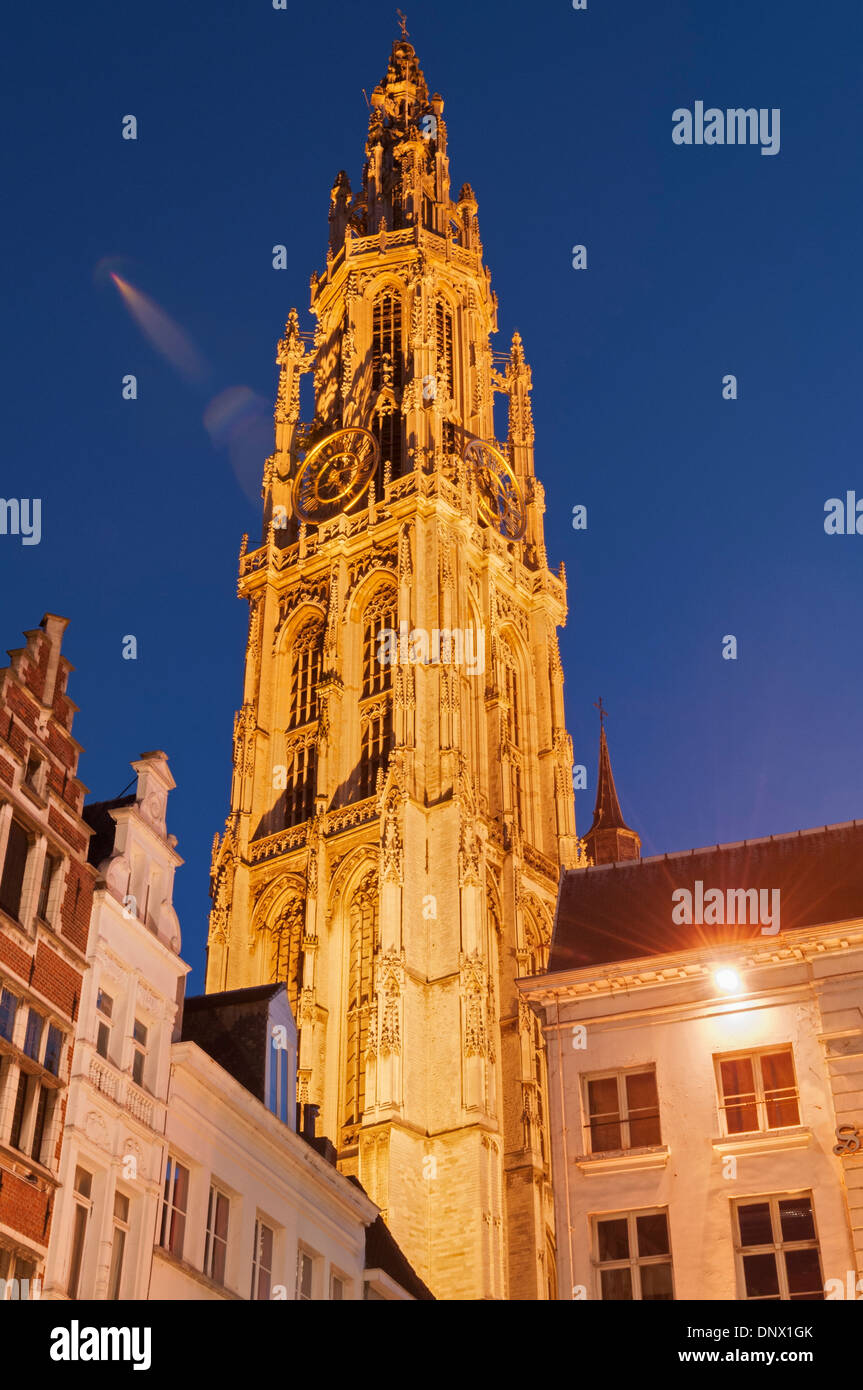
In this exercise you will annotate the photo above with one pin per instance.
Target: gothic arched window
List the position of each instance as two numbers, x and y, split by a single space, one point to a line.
378 659
445 369
388 376
379 616
362 940
300 783
376 736
286 937
306 657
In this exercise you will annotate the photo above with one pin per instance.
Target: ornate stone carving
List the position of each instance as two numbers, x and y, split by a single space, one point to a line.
97 1130
470 854
389 982
392 848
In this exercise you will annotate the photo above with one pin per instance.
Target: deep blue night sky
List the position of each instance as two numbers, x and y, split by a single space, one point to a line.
705 516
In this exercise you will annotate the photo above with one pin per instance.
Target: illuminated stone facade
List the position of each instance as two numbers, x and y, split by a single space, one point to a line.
397 826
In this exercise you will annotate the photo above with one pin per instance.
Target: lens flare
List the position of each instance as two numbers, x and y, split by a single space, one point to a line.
241 422
727 980
166 336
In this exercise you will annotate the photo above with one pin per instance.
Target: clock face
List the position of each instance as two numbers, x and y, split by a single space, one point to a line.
335 474
498 494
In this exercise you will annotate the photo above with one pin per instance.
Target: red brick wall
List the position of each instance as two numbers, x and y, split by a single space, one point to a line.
76 905
57 981
23 1207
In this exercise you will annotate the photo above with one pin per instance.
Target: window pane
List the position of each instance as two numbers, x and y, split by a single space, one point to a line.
34 1034
18 1112
762 1280
613 1240
177 1233
641 1091
266 1248
79 1232
221 1227
117 1253
53 1049
616 1284
8 1009
39 1128
738 1093
656 1283
795 1215
754 1221
604 1113
138 1068
652 1234
83 1181
104 1003
181 1186
780 1091
140 1033
803 1268
12 880
121 1206
643 1130
643 1106
48 869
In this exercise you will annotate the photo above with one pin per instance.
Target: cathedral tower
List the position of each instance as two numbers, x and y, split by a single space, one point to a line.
402 792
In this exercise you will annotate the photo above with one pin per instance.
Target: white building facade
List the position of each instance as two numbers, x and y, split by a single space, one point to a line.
182 1176
250 1209
113 1150
707 1103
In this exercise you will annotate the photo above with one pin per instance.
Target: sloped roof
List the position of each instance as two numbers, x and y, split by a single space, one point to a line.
623 911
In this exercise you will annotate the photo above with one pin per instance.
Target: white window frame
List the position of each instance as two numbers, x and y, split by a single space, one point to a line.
120 1228
212 1239
778 1246
635 1262
618 1074
261 1224
304 1252
168 1207
754 1055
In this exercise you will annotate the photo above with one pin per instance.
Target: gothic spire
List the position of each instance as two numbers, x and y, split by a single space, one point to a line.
406 173
609 838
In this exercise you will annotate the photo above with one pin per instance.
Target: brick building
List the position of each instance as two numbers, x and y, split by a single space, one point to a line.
46 892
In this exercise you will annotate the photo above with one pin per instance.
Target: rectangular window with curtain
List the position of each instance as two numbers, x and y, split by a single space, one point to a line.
175 1200
118 1245
82 1207
216 1248
262 1261
758 1091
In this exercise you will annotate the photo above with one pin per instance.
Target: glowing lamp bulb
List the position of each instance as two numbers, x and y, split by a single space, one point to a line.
727 980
